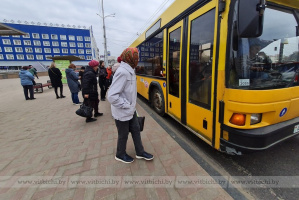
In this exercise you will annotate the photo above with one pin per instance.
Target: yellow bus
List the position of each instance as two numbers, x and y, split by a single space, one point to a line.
225 69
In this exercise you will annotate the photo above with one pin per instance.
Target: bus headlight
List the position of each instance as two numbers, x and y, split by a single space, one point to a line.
255 118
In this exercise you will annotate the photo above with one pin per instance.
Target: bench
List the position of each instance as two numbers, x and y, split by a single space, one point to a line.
39 86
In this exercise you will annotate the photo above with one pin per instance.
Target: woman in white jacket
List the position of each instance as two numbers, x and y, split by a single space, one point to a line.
123 95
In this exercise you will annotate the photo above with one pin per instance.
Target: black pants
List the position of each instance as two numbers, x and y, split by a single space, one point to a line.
102 84
61 91
30 89
124 127
108 83
92 103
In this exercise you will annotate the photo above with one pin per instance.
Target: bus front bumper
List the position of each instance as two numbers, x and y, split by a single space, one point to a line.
249 140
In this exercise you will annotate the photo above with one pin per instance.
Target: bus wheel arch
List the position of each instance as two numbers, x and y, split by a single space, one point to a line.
156 98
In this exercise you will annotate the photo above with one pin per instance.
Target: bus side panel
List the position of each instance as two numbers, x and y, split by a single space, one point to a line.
294 106
289 3
143 84
199 122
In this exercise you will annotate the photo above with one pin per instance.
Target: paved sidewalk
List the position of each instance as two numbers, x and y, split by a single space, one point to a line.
44 138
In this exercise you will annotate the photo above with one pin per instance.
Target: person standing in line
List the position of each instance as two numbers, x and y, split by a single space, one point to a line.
27 82
102 80
55 77
90 89
123 95
81 74
73 83
108 77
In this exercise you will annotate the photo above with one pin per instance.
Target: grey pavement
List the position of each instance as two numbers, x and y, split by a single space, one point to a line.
48 152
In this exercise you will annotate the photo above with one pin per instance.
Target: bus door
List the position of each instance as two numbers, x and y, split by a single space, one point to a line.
200 73
174 56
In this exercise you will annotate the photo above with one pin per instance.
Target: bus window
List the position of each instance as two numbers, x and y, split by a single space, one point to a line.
263 63
150 57
201 57
174 62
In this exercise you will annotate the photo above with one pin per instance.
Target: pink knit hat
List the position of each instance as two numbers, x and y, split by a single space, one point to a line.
93 63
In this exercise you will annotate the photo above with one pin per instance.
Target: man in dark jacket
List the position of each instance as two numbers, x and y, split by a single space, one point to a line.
90 89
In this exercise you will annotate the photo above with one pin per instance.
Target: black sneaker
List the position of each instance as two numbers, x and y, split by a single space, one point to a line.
145 156
90 120
57 97
125 159
98 114
103 99
32 98
61 96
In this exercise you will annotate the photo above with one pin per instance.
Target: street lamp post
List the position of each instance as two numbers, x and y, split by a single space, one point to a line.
104 33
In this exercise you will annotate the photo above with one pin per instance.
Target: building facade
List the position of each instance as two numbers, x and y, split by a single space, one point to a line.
42 42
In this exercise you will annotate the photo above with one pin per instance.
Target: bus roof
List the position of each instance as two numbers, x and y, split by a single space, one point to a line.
175 9
179 6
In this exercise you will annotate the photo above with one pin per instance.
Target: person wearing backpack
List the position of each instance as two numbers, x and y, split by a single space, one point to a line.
102 80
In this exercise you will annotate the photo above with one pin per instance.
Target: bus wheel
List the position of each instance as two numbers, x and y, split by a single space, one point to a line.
158 101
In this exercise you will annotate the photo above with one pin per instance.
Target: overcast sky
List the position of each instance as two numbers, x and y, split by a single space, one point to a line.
131 16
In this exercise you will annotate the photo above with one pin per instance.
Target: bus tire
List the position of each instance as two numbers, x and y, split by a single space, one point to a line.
157 101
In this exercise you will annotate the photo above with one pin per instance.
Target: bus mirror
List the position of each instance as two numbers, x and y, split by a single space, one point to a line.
251 18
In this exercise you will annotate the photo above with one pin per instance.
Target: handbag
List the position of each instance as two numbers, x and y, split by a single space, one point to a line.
140 121
84 111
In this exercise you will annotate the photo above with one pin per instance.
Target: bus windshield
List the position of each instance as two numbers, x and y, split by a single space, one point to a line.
270 61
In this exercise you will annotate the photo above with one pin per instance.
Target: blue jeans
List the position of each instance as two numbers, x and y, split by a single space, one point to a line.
124 127
75 97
